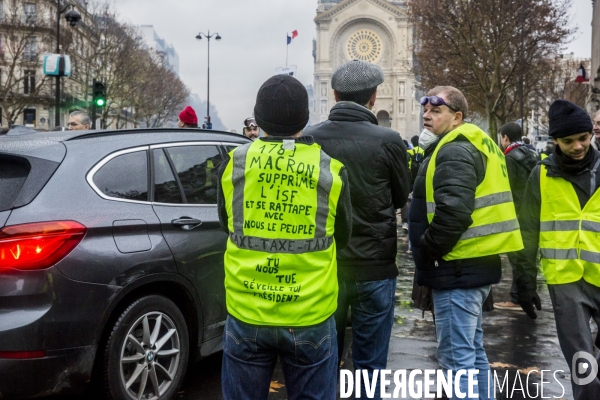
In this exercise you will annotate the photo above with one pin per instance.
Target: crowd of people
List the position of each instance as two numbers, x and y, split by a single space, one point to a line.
472 201
317 251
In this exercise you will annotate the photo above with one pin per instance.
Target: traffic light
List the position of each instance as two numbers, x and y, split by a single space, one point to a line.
99 94
207 124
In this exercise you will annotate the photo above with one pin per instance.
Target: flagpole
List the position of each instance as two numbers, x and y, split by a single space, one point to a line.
287 46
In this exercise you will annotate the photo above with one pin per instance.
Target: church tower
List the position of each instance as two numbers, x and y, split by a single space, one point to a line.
377 31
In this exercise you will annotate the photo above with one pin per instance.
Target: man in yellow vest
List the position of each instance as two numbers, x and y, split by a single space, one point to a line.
415 158
461 217
561 215
286 207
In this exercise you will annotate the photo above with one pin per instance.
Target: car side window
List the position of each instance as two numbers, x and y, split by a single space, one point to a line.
125 177
197 168
166 189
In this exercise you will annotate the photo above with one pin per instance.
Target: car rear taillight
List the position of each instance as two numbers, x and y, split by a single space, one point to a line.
39 245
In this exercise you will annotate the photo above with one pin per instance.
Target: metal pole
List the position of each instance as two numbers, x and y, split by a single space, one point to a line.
93 107
57 94
208 83
521 113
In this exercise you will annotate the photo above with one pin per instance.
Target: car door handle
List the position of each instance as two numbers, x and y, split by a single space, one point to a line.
186 223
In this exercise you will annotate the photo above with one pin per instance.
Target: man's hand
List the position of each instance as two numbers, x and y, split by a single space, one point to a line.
527 299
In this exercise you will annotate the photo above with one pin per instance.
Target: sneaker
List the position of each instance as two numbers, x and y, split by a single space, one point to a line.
405 226
508 305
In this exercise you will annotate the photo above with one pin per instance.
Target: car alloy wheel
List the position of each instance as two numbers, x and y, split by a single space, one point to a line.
150 356
147 353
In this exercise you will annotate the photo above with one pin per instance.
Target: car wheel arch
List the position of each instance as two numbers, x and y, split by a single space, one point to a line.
174 287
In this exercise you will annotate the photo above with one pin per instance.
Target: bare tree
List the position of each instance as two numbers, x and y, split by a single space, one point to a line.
23 37
480 47
140 83
160 92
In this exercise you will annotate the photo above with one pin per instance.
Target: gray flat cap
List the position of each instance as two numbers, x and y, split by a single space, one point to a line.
356 76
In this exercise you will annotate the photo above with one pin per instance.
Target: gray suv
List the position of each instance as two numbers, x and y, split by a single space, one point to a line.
111 259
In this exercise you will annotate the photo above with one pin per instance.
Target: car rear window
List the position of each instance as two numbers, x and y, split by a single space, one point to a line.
13 173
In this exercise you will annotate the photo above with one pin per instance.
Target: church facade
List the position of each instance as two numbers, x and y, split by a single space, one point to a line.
377 31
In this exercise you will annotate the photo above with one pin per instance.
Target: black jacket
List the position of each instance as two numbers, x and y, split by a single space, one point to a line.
520 161
343 218
529 218
459 170
376 159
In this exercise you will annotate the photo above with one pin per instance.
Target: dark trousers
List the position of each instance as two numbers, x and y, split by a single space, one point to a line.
574 304
371 306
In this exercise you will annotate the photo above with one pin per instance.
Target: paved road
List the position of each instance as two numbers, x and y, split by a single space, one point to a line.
513 343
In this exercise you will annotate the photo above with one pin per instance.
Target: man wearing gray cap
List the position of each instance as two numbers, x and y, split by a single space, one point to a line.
377 164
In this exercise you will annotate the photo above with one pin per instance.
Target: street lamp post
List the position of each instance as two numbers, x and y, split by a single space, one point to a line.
208 37
73 17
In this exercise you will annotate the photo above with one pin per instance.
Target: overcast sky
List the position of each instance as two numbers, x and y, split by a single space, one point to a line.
254 43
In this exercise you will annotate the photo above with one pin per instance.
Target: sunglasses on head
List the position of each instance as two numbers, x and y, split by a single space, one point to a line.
252 128
435 101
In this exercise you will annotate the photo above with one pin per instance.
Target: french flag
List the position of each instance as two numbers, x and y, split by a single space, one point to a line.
581 75
289 38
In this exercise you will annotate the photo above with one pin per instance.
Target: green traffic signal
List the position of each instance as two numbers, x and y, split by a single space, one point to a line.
99 93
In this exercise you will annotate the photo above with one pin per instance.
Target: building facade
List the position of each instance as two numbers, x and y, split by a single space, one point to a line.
155 42
594 73
376 31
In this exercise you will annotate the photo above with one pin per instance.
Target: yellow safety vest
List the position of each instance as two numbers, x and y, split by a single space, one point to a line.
495 228
412 152
280 263
543 156
569 236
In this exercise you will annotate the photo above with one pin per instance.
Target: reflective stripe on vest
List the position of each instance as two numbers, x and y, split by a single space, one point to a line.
495 228
569 236
280 263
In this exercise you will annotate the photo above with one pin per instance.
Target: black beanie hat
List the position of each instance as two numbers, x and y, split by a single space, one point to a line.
566 119
281 106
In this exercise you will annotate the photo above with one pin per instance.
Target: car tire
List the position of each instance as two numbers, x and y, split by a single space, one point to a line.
147 352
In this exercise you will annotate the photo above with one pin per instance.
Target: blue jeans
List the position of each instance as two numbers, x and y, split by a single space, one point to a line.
372 313
460 337
307 356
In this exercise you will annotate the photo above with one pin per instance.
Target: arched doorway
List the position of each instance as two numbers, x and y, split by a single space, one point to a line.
383 118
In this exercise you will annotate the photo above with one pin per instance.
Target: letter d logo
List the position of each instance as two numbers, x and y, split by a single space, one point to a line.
583 367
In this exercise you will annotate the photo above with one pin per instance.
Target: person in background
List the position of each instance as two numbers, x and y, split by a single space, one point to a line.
251 129
520 160
79 121
187 118
527 142
596 130
416 158
547 151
